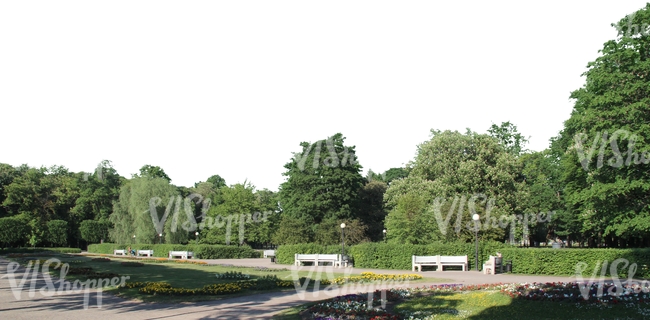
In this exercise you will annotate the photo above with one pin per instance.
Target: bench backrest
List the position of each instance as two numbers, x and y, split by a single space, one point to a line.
179 252
425 259
269 252
306 256
146 251
317 256
120 250
444 259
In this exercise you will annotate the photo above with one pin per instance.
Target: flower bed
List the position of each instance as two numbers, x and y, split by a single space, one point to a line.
232 275
594 293
372 277
131 264
355 306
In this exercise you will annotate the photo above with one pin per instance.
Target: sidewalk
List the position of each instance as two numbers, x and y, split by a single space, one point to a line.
261 306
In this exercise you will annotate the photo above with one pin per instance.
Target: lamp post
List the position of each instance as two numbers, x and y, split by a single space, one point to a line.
197 237
160 236
475 217
384 235
342 241
134 239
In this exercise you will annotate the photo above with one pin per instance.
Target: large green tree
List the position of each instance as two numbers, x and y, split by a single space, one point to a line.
605 166
147 207
453 176
323 182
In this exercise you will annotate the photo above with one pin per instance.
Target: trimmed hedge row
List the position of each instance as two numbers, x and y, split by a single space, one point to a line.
201 251
589 262
542 261
30 250
391 256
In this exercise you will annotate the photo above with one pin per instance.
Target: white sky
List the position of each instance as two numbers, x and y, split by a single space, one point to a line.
232 87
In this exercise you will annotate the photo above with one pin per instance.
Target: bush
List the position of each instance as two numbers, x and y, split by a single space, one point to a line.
201 251
564 261
37 249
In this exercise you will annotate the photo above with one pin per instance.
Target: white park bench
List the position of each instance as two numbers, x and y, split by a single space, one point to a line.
335 259
453 261
439 261
181 254
146 253
269 253
119 252
419 261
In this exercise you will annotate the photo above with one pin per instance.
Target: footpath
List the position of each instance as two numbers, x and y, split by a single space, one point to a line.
16 302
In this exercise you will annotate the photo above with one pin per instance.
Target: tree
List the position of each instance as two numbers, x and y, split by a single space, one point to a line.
607 193
234 213
509 137
42 195
57 231
146 207
453 172
217 181
371 211
323 182
293 231
153 172
7 175
94 231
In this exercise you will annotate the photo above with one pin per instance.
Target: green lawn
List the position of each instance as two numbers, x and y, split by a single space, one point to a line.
178 275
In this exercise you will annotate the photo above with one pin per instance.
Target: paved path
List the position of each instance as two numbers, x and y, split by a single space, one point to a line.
17 304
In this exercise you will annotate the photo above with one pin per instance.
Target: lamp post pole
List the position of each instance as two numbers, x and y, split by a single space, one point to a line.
342 240
475 217
160 236
384 235
133 239
197 237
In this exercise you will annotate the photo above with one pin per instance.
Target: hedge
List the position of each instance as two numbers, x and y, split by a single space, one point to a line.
201 251
563 262
39 249
536 261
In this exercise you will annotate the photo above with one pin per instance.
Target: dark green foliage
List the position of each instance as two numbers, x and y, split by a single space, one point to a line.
94 231
57 231
13 231
606 186
323 181
37 249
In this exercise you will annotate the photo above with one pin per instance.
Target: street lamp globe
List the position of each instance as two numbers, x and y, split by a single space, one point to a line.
342 225
475 217
196 233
